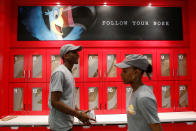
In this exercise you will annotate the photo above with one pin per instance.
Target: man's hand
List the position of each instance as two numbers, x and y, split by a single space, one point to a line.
85 118
156 127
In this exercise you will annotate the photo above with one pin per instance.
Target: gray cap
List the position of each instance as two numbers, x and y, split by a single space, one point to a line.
135 60
69 47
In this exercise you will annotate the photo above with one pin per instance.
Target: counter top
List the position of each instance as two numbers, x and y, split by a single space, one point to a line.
42 120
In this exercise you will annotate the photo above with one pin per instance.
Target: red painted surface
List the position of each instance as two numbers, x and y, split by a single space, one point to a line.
165 126
88 128
27 99
177 100
17 129
4 56
159 100
192 34
184 127
28 65
8 14
106 90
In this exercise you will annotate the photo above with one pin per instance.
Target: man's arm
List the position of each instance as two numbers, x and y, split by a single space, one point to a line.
59 105
156 127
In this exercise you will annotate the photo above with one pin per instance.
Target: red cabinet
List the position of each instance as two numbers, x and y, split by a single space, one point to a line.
28 66
99 65
54 60
101 128
109 71
174 96
183 96
93 97
168 126
182 64
103 97
187 126
80 96
112 94
173 64
27 98
101 76
41 128
16 128
165 64
166 96
88 128
116 128
92 65
97 78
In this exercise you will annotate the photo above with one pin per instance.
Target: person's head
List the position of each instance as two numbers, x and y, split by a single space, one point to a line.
133 68
69 53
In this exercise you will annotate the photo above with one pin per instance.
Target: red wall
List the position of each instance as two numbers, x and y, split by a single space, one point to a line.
4 48
192 31
8 33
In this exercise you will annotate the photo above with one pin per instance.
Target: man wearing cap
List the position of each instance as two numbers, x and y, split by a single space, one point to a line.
62 92
142 108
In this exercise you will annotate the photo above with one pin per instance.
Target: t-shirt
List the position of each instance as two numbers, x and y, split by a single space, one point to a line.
145 109
63 81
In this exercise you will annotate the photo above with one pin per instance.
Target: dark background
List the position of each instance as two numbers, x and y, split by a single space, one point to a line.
96 31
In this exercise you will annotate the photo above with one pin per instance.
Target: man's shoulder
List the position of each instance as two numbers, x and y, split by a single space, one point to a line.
61 68
145 94
145 91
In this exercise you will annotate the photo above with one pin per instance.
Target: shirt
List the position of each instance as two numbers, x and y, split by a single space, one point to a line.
145 109
63 81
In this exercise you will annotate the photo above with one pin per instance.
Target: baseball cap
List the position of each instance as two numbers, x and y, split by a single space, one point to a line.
135 60
69 47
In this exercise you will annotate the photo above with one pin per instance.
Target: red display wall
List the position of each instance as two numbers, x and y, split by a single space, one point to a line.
192 34
8 30
4 55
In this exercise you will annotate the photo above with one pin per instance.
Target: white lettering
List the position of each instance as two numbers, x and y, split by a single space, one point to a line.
161 23
142 23
167 23
114 23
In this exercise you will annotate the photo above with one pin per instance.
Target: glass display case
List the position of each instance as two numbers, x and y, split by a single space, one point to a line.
183 96
99 84
27 98
19 66
173 64
166 96
28 66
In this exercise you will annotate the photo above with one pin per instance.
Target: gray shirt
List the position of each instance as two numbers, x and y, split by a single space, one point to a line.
63 81
145 107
